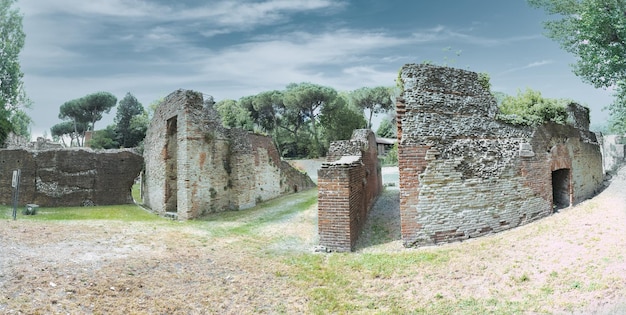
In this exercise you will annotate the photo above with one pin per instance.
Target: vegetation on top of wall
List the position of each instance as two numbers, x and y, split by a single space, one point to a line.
529 108
484 80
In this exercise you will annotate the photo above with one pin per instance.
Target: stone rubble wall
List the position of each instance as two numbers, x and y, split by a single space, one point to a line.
348 185
464 174
15 142
613 152
70 177
212 168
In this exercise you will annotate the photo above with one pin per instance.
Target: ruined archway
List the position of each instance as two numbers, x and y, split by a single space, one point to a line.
561 195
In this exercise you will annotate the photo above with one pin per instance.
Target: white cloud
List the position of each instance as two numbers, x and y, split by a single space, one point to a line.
528 66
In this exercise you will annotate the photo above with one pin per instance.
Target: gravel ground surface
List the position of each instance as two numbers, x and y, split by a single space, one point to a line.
571 262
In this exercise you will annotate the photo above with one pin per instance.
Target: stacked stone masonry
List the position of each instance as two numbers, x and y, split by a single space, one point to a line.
70 177
464 174
195 166
348 185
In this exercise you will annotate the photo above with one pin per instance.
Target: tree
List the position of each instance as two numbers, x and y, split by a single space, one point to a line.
530 108
71 129
339 120
95 104
309 99
617 119
268 108
233 115
387 128
11 43
21 123
128 108
104 139
85 111
73 111
373 100
595 32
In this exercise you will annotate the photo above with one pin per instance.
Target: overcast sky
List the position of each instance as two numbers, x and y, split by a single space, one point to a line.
231 49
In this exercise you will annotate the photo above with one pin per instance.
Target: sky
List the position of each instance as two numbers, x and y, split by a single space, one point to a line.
232 48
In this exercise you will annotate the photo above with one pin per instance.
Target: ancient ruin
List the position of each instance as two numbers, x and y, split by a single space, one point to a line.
464 173
69 177
348 184
195 166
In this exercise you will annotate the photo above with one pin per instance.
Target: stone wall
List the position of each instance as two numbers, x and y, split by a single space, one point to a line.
348 185
195 166
70 177
613 152
465 174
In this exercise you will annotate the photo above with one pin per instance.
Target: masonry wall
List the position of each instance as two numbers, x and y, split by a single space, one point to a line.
70 177
464 174
612 151
211 168
348 185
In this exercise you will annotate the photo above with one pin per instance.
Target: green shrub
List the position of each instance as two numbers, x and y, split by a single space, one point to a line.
530 108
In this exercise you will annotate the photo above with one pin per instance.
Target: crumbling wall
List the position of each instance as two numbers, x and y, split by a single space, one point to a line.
210 168
464 174
613 152
348 185
15 142
70 177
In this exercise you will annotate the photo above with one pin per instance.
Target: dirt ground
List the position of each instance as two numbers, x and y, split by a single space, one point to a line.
168 267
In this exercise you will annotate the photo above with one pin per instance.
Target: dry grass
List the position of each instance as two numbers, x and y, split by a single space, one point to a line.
261 261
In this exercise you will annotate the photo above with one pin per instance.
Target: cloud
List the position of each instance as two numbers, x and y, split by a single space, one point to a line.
528 66
236 15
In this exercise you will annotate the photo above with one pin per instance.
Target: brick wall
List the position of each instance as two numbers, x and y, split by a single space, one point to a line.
70 177
348 185
464 174
211 168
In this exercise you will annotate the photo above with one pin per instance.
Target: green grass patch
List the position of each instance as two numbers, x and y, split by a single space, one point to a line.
275 210
334 282
136 193
117 212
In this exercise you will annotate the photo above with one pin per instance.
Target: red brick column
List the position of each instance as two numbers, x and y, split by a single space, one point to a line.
412 162
334 199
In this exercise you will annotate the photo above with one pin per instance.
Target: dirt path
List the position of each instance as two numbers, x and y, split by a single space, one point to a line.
572 261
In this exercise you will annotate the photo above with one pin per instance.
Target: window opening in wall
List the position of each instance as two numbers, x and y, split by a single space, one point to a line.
561 189
171 165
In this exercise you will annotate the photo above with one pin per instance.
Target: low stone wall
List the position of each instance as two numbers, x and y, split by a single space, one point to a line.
348 185
70 177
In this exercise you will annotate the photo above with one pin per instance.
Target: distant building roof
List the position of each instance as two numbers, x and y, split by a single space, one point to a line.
389 141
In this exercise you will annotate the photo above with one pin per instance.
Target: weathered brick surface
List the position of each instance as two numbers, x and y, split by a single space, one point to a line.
348 185
200 167
464 174
70 177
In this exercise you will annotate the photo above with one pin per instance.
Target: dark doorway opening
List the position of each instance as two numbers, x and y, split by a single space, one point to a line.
171 166
561 189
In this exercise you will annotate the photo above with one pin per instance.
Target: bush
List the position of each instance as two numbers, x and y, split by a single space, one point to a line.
530 108
391 159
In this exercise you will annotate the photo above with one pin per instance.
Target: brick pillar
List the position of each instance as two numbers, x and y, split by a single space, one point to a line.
334 207
412 162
